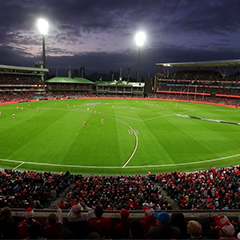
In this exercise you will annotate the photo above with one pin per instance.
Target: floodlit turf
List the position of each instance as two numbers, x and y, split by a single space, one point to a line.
137 136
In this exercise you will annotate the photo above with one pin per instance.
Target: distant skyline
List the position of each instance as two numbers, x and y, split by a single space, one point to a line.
100 34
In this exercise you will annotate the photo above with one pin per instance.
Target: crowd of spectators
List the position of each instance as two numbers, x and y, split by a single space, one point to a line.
19 80
200 82
201 75
214 189
30 188
25 96
209 189
117 192
20 88
83 222
198 98
74 86
20 96
199 90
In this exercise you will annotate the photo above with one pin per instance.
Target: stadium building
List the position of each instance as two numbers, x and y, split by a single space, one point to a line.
200 81
21 83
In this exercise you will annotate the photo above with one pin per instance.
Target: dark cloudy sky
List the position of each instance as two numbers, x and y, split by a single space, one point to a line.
99 34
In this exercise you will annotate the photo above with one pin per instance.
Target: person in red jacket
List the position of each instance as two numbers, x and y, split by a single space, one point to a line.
23 227
149 219
53 228
102 224
121 230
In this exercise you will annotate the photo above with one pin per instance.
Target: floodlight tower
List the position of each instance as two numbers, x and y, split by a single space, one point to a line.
43 29
140 39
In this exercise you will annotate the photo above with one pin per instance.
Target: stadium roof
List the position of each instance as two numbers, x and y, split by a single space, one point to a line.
69 80
205 64
22 70
120 83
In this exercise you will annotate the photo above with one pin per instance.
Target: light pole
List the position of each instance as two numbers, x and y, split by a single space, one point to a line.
43 29
140 38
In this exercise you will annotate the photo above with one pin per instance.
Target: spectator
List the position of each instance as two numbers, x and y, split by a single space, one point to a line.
78 220
237 226
103 224
208 225
35 231
8 227
122 229
148 211
194 229
163 230
221 218
178 220
53 228
76 214
149 219
66 234
136 230
225 230
23 227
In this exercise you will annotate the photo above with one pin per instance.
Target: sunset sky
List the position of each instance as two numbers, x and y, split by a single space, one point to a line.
100 34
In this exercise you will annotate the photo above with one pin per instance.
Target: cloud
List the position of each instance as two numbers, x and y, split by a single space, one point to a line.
100 34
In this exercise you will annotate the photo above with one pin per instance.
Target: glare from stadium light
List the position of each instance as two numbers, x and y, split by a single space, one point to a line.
43 26
140 39
43 29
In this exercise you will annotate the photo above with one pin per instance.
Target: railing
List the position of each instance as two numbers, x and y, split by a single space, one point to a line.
231 213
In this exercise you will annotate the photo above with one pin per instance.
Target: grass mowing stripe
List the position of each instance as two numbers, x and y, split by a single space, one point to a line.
150 138
175 141
41 132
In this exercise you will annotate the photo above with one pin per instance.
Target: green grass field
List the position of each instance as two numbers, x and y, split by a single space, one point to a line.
137 136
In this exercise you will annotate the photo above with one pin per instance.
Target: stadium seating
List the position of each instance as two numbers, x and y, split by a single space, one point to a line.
28 188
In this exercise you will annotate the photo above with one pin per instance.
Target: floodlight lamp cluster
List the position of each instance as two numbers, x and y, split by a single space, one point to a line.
43 26
140 39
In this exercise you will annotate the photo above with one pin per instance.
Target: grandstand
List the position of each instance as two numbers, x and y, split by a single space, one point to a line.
201 81
21 83
121 88
70 86
213 191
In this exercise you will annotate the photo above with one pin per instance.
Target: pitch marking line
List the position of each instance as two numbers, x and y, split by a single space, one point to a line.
18 165
136 140
147 166
188 163
168 115
55 165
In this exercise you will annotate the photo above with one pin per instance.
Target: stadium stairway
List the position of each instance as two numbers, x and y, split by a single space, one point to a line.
62 197
170 201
